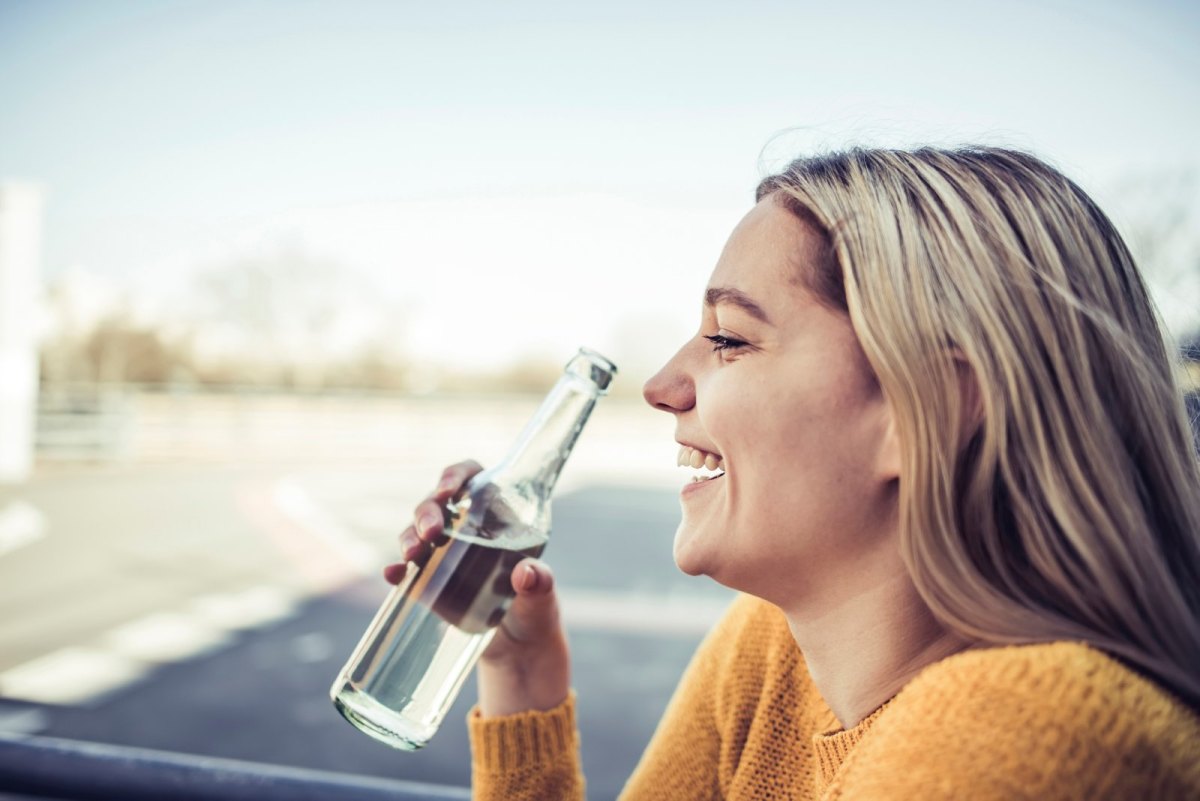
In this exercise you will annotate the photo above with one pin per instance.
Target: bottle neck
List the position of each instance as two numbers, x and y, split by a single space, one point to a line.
538 456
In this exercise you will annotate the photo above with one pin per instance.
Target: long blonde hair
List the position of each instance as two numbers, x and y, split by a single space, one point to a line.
1073 509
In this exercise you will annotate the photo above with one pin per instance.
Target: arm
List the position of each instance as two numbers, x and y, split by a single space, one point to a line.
524 742
530 755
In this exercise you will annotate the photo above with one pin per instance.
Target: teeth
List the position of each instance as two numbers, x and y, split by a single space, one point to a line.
691 457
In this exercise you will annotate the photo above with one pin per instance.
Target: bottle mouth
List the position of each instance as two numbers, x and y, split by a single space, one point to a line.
591 366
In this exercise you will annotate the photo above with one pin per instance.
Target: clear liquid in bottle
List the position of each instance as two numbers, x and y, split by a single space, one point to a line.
414 657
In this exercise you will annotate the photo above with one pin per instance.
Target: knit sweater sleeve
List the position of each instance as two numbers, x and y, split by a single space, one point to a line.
530 756
1058 721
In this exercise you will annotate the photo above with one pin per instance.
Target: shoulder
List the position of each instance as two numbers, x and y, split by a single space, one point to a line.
1053 720
1067 684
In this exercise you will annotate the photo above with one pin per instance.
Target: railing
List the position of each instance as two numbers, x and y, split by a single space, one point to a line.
69 770
140 425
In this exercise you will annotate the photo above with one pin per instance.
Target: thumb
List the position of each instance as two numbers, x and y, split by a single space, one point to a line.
534 612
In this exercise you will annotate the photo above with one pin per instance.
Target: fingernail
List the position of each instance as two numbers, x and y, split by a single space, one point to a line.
447 483
425 522
529 578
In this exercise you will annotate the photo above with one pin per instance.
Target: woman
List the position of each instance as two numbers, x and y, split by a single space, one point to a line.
956 486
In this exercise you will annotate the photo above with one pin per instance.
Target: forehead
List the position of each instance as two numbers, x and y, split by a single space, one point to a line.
767 256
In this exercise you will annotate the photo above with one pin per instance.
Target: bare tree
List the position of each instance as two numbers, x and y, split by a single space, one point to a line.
282 311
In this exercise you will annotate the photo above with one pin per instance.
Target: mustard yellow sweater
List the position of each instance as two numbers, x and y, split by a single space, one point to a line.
1054 721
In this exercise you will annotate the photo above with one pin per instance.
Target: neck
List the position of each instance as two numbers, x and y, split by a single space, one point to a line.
862 649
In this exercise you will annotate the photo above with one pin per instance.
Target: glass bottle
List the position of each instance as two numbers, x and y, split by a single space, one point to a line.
414 657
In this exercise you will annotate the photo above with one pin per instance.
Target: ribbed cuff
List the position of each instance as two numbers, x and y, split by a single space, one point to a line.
513 742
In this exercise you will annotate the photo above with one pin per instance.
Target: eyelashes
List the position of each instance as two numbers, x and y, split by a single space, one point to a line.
721 343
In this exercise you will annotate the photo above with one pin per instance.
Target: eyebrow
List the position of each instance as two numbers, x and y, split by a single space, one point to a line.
726 294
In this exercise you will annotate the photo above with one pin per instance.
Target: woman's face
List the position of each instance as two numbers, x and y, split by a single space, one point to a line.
776 387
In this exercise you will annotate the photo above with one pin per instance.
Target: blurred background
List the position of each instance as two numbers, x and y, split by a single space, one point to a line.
267 267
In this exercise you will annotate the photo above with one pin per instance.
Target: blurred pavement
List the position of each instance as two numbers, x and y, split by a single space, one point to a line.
206 609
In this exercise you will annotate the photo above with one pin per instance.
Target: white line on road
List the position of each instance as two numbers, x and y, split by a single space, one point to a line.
23 721
73 675
246 609
620 613
85 674
290 499
165 637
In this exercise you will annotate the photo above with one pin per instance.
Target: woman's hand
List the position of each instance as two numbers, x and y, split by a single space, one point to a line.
527 665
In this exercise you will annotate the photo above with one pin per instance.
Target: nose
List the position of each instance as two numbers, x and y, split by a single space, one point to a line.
671 389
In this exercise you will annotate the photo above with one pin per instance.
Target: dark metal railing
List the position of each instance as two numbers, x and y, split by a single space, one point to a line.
70 770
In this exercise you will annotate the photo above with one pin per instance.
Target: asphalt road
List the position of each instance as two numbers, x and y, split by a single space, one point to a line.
207 610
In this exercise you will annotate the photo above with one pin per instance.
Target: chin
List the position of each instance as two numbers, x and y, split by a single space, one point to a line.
686 557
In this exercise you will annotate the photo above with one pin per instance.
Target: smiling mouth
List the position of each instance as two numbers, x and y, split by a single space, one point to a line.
711 465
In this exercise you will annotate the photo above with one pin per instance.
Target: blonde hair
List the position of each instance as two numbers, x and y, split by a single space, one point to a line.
1072 511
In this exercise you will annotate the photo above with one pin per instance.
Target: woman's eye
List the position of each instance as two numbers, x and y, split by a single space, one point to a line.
724 343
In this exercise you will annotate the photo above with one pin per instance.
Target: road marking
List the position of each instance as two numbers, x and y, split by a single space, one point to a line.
325 558
23 721
295 503
247 609
165 637
86 674
312 647
73 675
620 613
21 523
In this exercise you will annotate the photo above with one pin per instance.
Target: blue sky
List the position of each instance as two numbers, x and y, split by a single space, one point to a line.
159 128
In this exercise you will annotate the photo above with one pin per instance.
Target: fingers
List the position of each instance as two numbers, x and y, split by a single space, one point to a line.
394 574
429 516
429 520
453 478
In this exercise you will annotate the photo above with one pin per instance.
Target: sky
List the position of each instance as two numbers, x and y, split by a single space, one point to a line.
501 179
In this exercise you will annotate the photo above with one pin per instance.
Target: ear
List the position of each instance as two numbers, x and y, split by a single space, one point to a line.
889 446
971 414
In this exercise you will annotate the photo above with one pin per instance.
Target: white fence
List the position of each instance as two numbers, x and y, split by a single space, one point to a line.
135 425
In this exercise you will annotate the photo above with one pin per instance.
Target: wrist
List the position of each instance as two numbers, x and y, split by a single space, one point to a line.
530 683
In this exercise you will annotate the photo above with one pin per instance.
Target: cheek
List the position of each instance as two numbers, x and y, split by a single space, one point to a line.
770 430
742 407
758 426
